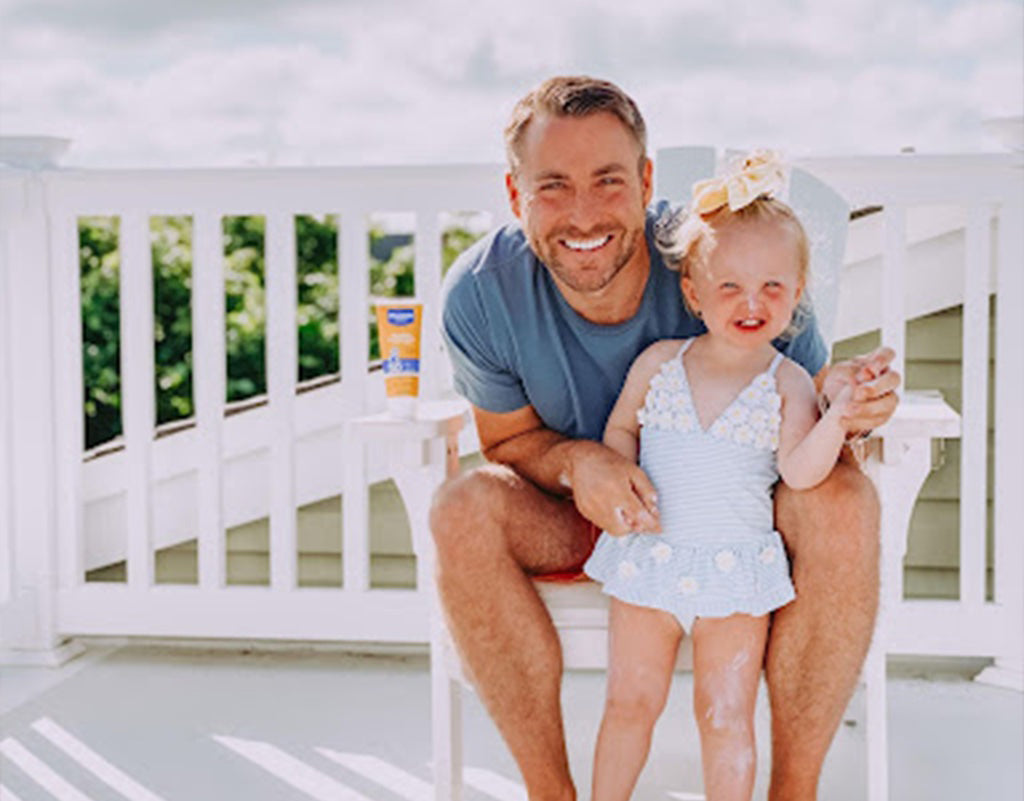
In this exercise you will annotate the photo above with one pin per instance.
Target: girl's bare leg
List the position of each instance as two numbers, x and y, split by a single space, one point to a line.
643 644
727 657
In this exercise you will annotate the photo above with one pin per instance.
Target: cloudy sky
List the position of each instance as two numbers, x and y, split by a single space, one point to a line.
230 82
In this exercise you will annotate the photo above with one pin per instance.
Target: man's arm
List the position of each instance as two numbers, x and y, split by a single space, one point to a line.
873 400
605 486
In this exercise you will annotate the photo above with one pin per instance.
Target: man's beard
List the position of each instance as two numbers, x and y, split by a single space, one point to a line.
588 281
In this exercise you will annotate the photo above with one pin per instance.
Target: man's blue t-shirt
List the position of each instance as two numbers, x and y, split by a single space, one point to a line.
515 341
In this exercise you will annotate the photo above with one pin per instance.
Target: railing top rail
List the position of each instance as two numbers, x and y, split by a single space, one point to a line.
433 188
902 179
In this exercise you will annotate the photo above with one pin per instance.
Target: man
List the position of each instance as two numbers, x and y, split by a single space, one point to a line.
542 321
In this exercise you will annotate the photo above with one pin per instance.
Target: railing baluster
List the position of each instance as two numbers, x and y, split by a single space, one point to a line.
282 372
1009 447
7 549
353 286
138 395
894 260
68 385
974 413
428 291
210 383
353 270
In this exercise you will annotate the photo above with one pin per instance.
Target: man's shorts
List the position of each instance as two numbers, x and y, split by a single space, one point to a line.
574 573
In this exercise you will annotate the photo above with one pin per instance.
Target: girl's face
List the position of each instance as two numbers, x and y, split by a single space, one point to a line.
749 286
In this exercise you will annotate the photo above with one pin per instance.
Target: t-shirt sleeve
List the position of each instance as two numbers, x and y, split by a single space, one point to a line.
481 370
806 347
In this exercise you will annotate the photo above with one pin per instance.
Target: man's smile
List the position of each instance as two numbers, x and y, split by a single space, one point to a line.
586 245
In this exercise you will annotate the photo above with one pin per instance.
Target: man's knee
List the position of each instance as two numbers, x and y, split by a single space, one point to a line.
465 515
837 522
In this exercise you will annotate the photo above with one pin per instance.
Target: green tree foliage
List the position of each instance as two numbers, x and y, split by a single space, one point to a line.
171 241
245 312
317 266
391 275
100 263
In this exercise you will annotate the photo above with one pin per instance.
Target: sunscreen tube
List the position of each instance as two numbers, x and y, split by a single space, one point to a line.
398 325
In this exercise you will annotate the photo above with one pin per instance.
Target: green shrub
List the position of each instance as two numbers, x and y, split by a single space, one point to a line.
391 274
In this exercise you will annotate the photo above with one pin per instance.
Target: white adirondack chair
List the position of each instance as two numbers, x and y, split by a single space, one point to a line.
899 464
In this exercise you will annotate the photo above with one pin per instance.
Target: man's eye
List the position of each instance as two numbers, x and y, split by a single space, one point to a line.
611 180
550 186
729 286
773 284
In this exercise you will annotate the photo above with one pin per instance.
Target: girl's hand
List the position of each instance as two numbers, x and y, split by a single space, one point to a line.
872 385
839 408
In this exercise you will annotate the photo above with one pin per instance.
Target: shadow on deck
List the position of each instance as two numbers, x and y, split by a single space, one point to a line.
150 722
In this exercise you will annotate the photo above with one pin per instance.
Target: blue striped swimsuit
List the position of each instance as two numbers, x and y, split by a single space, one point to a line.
718 552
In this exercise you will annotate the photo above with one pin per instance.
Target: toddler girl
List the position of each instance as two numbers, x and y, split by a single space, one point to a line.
715 420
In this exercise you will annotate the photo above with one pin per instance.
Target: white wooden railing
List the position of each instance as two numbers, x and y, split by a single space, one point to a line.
59 517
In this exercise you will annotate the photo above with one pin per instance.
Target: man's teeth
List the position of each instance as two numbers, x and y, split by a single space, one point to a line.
749 323
587 244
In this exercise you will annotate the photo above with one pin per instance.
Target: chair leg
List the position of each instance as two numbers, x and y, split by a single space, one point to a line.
446 728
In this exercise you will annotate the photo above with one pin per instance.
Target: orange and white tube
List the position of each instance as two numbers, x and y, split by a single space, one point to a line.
399 322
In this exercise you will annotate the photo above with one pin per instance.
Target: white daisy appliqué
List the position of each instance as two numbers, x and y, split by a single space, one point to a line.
720 428
628 570
725 561
673 381
751 395
743 434
737 414
661 553
768 555
687 585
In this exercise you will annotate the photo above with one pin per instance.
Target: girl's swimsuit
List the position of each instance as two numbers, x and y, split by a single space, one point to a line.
718 552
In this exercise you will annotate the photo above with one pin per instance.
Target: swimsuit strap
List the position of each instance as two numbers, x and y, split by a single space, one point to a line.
775 363
686 344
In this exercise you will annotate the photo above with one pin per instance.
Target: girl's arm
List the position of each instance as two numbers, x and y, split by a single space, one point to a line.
808 447
622 431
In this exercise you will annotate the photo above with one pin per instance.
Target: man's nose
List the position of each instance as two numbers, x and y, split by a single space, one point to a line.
584 211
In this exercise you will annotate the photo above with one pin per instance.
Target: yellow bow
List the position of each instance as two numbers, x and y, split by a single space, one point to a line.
759 173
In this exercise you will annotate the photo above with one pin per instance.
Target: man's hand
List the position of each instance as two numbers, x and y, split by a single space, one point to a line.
611 491
873 386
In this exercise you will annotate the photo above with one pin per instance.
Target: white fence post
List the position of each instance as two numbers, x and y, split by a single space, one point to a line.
28 521
1008 670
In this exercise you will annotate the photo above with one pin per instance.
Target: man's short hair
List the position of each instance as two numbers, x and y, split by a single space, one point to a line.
572 96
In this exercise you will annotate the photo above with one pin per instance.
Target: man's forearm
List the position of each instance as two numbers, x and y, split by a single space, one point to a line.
543 456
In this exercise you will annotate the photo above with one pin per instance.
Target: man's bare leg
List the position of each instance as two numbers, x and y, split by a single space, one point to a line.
818 643
492 530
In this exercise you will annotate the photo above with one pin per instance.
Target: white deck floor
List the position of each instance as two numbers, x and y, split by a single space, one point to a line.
152 723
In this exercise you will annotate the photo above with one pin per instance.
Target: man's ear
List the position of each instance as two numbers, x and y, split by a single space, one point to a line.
513 194
647 181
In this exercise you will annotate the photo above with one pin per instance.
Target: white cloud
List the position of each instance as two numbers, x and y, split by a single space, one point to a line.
313 81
